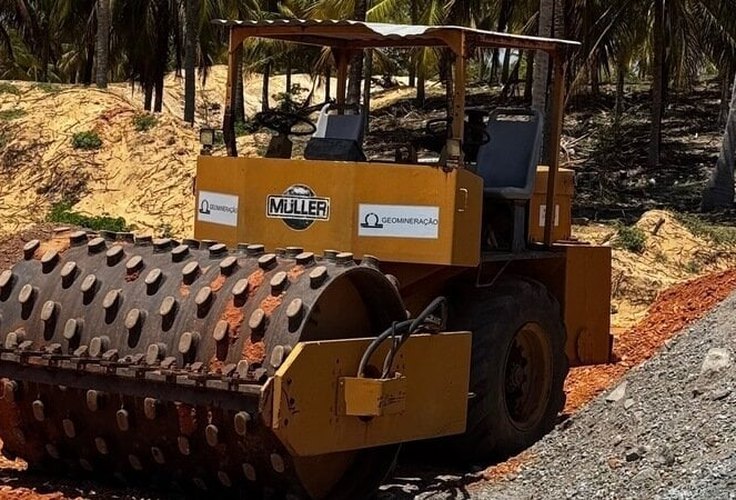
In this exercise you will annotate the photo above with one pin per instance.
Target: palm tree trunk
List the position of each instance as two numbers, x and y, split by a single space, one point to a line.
414 16
356 62
191 8
595 84
265 87
102 48
655 136
239 111
367 87
504 16
506 66
529 81
726 76
89 64
421 90
541 59
158 102
719 192
328 82
620 87
288 74
148 96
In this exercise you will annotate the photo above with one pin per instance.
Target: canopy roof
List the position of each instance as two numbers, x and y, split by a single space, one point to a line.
358 35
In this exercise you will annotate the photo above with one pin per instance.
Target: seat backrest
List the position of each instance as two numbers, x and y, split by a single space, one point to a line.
508 162
348 127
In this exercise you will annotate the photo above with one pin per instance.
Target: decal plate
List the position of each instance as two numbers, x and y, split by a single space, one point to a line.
217 208
398 221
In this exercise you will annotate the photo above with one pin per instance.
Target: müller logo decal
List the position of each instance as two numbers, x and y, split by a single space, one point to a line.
298 207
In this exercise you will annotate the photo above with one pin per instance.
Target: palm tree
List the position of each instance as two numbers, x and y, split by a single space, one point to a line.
191 10
719 193
102 47
655 136
541 59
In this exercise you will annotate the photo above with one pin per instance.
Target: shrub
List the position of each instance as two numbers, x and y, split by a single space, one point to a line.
11 114
719 234
244 128
291 100
144 122
86 140
49 88
9 88
631 238
62 213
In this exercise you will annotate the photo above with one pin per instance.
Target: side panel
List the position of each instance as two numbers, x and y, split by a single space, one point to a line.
587 303
398 213
313 391
581 282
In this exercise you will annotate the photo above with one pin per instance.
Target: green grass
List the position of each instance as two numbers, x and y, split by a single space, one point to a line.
62 213
245 128
49 88
694 266
144 122
631 238
11 114
720 235
87 140
9 88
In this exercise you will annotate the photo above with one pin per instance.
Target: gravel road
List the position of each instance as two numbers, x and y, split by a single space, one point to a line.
667 431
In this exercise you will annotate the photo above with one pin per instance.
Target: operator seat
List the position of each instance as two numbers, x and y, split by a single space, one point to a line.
508 166
337 138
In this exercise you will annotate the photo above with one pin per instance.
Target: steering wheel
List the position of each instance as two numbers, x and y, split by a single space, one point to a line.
472 136
284 122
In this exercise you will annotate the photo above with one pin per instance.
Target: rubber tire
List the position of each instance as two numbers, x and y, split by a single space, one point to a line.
494 315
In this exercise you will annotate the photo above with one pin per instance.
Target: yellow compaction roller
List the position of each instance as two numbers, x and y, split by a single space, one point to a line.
278 369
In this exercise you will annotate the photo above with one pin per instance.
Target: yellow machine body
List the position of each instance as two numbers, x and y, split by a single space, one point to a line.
419 220
407 213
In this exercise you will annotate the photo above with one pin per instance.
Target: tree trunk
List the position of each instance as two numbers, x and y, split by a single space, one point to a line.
421 88
328 83
158 102
541 59
356 62
89 64
620 88
529 81
239 105
191 7
504 17
288 73
265 90
148 96
595 84
726 77
102 47
414 16
655 136
719 192
367 87
506 66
